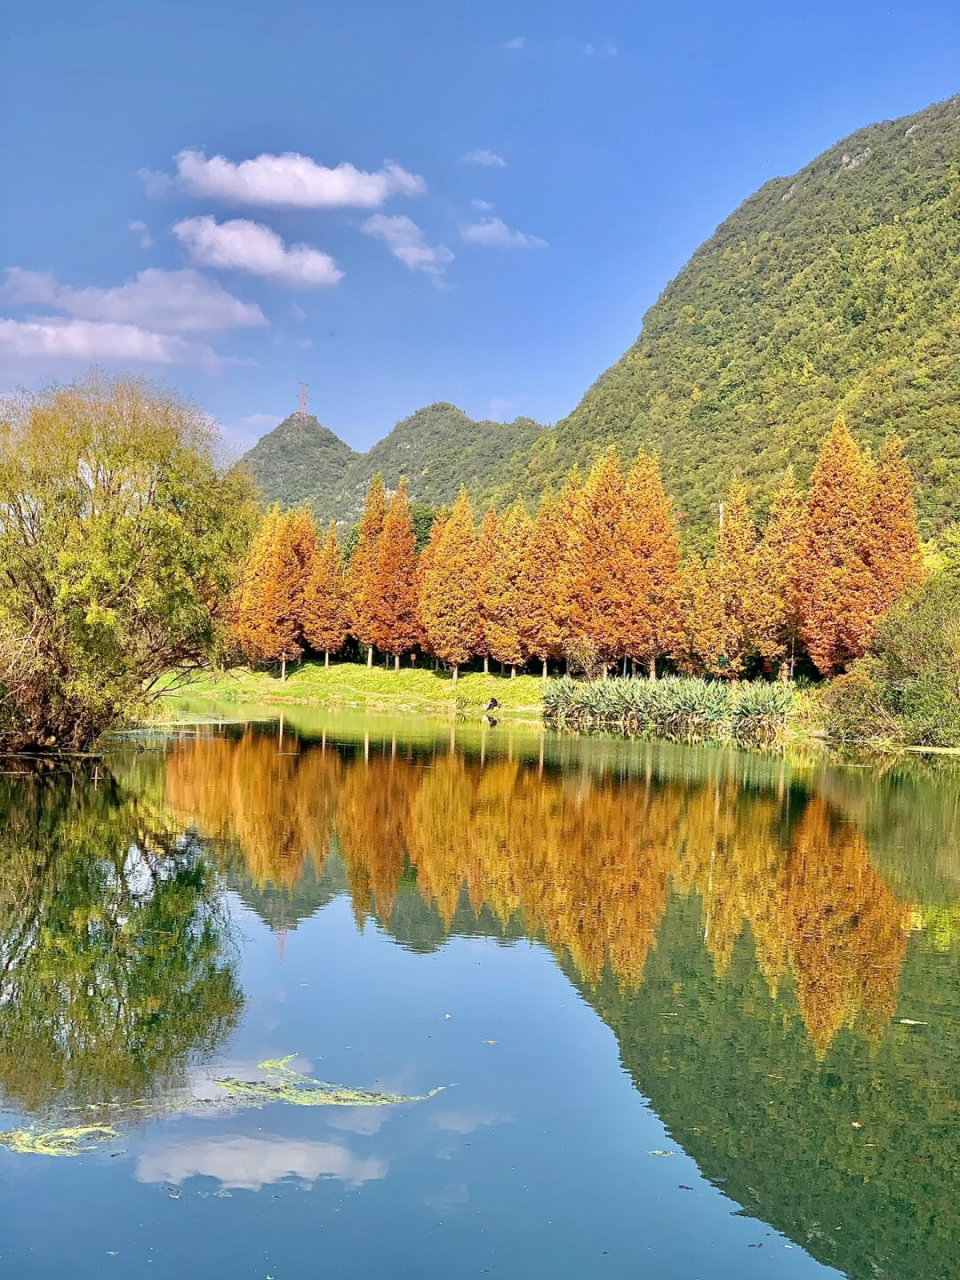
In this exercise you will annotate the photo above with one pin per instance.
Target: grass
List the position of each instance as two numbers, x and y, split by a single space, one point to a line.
352 684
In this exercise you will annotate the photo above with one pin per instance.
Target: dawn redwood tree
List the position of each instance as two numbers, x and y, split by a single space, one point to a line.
487 544
776 621
892 540
269 622
503 605
722 605
325 615
595 592
835 594
650 546
393 609
450 604
362 566
541 612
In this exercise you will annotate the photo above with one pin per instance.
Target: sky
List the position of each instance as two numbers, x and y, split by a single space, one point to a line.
473 201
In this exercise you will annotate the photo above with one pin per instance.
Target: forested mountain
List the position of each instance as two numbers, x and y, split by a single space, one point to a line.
300 461
438 449
835 289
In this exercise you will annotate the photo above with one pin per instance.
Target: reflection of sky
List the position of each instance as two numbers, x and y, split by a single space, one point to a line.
250 1163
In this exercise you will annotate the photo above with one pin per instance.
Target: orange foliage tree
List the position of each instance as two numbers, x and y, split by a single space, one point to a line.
325 611
450 604
595 593
269 612
503 597
776 622
892 545
650 545
721 601
486 551
392 608
834 586
361 571
541 608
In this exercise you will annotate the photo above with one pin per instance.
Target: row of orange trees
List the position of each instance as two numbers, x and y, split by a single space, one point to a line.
598 574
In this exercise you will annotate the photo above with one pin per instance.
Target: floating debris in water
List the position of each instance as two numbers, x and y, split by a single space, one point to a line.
661 1153
283 1084
69 1141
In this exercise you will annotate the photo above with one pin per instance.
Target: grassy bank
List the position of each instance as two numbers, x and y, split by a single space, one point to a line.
756 714
354 685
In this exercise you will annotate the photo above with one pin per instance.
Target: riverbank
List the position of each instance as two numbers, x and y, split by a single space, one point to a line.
351 684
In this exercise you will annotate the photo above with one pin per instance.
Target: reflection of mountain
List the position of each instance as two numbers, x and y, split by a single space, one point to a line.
856 1157
116 969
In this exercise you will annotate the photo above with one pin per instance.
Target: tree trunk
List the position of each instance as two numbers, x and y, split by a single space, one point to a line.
326 657
653 667
283 669
606 671
456 671
544 668
396 662
370 656
486 664
624 666
513 672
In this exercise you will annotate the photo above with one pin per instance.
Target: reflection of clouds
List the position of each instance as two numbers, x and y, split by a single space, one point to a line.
462 1122
447 1197
363 1120
251 1163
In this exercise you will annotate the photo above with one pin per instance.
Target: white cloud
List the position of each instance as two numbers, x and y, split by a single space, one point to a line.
240 245
143 231
248 1163
297 311
52 340
288 181
483 205
516 43
601 50
172 301
405 241
495 234
482 156
257 420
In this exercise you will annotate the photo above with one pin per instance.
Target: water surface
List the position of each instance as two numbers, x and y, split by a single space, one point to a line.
692 1013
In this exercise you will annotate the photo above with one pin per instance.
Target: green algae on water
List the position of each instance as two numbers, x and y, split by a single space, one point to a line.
71 1140
283 1084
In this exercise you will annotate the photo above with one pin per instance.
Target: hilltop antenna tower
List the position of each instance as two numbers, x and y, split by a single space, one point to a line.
302 411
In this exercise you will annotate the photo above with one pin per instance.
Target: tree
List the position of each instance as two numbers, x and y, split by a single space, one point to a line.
776 621
487 545
325 607
542 616
393 609
650 546
450 600
272 596
892 540
595 592
503 609
121 541
723 593
361 569
834 586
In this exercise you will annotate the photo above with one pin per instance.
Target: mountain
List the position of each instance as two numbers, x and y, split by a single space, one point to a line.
835 289
300 461
438 449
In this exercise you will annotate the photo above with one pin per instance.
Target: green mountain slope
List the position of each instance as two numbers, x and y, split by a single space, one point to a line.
836 289
300 461
438 449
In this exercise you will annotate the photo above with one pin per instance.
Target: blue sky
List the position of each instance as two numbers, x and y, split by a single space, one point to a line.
402 203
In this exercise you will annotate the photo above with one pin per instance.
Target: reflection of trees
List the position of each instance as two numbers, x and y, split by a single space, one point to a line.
587 862
114 958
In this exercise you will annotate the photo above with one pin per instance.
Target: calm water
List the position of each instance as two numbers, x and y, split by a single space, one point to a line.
694 1013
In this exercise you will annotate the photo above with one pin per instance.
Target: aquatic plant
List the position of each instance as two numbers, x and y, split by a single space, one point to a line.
71 1140
283 1084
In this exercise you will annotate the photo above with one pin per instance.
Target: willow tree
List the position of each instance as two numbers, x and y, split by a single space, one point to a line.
121 539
